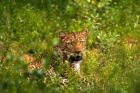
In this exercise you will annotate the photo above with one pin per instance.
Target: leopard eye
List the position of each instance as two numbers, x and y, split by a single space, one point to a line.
82 41
71 43
68 42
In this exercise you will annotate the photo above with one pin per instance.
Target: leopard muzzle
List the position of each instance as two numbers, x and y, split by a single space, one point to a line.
75 57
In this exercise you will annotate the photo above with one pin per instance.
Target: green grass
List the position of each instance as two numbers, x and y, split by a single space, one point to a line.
112 63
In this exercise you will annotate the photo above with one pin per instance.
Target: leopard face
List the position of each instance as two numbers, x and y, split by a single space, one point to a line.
72 47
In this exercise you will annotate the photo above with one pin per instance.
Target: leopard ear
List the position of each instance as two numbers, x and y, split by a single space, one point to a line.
61 34
84 31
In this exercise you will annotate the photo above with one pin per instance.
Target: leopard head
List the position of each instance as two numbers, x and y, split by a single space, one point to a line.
73 45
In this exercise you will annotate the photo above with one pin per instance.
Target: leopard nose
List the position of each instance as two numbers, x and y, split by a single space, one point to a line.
78 57
75 58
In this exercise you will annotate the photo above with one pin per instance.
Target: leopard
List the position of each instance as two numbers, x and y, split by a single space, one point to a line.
72 47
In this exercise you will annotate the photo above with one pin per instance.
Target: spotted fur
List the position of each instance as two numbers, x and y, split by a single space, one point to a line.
71 47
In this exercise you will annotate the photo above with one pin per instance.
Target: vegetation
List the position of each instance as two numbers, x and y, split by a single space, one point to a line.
112 63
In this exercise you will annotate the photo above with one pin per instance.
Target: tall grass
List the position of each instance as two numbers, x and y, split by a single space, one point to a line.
112 63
